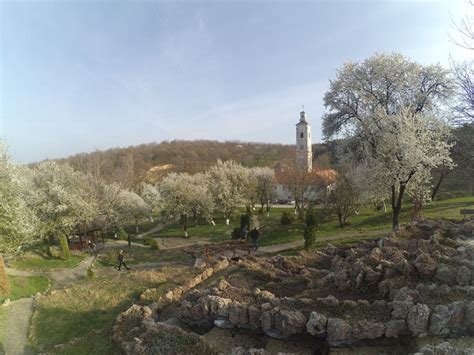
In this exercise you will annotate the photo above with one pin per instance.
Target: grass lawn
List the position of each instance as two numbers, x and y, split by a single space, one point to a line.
26 286
272 232
40 263
82 316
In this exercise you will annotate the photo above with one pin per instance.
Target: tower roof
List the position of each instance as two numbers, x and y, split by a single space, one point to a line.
302 118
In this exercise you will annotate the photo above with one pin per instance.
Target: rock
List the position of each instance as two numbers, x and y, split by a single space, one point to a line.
6 302
198 312
425 265
418 318
463 276
406 294
266 321
223 284
395 328
367 330
223 323
469 315
234 313
317 324
439 319
445 349
329 300
456 316
289 323
446 274
200 263
339 332
400 309
266 296
254 316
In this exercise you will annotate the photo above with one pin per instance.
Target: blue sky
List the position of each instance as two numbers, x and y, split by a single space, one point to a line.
82 75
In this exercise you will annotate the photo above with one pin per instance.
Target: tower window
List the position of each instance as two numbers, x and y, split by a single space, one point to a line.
301 135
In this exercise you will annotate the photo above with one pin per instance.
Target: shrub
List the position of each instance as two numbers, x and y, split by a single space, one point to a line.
236 233
244 221
153 243
90 273
122 234
287 218
65 254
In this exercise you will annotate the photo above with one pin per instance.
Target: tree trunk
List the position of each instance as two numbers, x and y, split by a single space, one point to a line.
341 221
397 205
129 241
64 247
438 184
185 225
4 282
136 225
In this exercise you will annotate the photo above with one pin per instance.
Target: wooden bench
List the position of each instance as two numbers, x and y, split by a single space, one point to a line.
465 212
222 247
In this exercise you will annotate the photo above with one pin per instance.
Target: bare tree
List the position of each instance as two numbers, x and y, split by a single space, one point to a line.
343 196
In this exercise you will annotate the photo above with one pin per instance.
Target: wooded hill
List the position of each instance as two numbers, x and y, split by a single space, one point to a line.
133 164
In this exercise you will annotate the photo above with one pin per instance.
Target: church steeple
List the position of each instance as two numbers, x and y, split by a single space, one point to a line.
304 153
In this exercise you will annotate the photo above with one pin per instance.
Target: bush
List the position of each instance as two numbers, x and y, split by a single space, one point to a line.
65 254
244 221
236 233
122 234
309 230
324 215
90 273
153 243
287 218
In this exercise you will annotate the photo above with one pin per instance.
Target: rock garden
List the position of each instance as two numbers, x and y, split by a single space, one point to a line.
408 293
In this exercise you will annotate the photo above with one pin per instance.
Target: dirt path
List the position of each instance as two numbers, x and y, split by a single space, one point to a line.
59 278
16 333
299 243
175 243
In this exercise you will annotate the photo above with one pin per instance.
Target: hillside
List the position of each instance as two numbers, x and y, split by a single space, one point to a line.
132 164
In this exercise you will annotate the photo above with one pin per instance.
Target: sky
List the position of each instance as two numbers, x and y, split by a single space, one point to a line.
80 75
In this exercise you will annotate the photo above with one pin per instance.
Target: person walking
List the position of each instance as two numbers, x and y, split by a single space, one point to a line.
121 261
255 234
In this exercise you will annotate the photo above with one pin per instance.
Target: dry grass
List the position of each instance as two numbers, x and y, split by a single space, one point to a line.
82 316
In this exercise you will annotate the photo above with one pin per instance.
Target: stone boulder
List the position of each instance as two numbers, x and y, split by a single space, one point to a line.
367 330
317 324
400 309
339 332
439 319
418 319
395 328
446 274
463 276
289 323
425 265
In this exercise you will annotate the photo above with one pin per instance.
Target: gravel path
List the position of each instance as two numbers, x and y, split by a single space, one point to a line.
18 320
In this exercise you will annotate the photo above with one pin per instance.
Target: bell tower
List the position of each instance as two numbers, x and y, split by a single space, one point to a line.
304 153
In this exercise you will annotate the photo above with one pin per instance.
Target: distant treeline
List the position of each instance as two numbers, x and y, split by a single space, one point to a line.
131 165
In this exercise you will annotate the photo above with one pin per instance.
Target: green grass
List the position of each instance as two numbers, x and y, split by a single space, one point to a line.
26 286
272 232
40 263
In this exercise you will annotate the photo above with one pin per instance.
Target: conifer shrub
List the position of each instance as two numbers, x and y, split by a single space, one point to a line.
310 230
287 218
